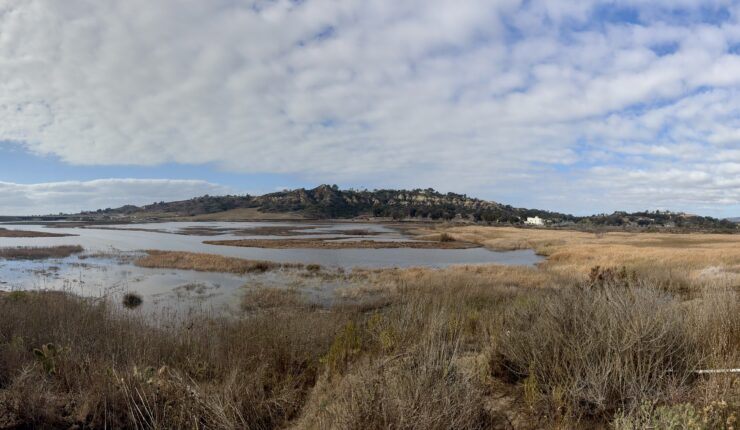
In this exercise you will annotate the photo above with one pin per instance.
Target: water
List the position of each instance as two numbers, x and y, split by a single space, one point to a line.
128 238
111 276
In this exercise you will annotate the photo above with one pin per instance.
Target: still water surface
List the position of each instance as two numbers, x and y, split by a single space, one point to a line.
91 275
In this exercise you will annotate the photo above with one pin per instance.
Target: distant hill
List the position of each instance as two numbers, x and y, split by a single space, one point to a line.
658 220
329 202
325 202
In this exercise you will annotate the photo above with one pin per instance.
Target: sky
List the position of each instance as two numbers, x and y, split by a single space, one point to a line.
583 107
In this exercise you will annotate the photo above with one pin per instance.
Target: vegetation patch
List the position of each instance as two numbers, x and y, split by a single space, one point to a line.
207 262
256 298
561 345
23 233
39 253
336 244
132 300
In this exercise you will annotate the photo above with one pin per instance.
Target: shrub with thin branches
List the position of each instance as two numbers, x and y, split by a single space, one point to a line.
599 349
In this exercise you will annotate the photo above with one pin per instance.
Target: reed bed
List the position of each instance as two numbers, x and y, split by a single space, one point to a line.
39 253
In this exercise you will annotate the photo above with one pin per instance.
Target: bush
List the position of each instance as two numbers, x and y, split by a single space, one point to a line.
684 416
444 237
132 300
419 387
599 348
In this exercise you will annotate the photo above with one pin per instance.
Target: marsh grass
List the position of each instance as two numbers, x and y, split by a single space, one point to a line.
465 347
121 371
39 253
4 232
260 298
207 262
337 244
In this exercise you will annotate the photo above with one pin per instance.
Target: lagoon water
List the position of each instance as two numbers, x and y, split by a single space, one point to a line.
96 276
163 236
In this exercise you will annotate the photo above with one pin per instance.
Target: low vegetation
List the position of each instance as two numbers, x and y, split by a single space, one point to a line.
132 300
207 262
337 244
469 347
39 253
24 233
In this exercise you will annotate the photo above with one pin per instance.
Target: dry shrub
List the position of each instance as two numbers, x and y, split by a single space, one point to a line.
132 300
717 324
115 369
445 237
714 416
414 384
598 349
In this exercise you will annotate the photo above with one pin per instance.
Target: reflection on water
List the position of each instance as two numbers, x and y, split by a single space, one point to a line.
92 276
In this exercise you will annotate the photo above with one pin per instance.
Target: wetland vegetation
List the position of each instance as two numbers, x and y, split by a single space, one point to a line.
609 331
39 253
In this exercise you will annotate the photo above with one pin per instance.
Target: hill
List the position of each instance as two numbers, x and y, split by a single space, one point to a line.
329 202
326 202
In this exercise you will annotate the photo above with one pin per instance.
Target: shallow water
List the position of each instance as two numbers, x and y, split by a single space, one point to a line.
182 291
125 238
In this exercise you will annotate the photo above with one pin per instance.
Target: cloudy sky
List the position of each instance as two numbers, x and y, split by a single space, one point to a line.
580 106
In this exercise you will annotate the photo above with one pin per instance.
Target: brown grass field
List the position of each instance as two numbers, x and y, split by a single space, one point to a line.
206 262
24 233
39 253
565 345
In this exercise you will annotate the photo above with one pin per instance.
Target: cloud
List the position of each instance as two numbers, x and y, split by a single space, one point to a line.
76 196
479 96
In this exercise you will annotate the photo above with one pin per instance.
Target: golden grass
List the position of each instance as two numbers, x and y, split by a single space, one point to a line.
24 233
577 252
336 244
207 262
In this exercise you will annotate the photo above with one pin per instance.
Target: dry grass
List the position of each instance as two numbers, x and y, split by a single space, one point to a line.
23 233
259 298
470 347
596 351
206 262
39 253
686 257
118 371
336 244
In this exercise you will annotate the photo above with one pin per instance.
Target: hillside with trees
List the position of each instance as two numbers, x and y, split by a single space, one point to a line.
330 202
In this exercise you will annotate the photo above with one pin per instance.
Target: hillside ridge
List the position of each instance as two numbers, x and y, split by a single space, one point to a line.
330 202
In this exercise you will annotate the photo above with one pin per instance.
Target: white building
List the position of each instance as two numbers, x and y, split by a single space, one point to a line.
534 221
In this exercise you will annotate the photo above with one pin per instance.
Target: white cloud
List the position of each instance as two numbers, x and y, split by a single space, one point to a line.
75 196
478 96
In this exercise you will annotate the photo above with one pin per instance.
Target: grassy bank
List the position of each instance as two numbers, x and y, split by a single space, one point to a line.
39 253
207 262
4 232
474 348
